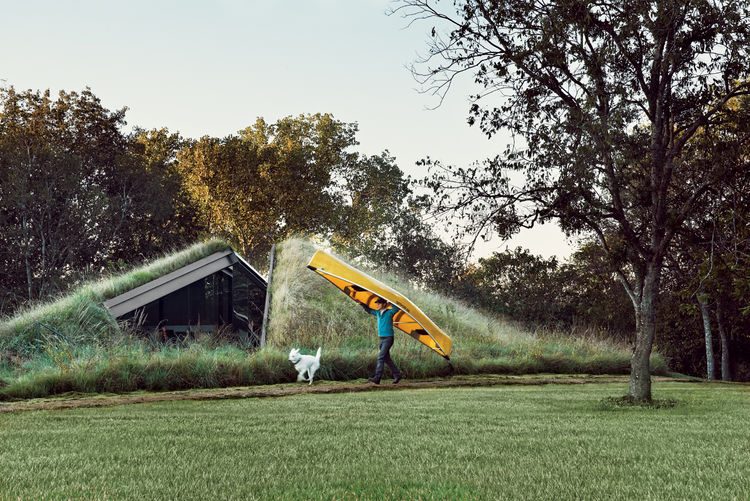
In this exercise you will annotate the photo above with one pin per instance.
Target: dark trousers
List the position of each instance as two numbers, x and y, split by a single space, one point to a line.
384 357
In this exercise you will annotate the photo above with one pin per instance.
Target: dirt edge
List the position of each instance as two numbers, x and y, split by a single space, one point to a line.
77 401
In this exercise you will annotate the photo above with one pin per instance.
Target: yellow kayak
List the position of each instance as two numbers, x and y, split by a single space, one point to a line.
364 289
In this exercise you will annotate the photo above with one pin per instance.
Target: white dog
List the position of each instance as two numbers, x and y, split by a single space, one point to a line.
305 364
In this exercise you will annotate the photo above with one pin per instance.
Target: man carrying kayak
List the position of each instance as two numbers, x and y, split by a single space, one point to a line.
385 333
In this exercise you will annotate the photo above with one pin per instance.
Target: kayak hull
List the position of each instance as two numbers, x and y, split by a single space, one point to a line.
364 289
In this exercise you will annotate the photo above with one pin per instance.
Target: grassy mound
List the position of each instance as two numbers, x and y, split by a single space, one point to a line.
307 311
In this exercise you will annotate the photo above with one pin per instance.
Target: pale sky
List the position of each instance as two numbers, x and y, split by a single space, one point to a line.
213 67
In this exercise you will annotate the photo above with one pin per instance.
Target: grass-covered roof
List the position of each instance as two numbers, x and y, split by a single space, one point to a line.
79 314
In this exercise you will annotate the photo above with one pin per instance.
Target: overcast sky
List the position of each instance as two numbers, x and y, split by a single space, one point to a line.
212 67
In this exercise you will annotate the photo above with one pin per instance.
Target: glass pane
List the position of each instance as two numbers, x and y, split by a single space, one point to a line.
248 301
195 303
175 307
209 306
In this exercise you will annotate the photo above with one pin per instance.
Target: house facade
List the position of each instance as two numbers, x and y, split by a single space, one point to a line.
217 293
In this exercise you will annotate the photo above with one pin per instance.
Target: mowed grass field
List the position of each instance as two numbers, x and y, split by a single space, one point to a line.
505 442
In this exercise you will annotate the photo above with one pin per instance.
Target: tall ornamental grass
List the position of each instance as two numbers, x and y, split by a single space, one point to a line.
307 311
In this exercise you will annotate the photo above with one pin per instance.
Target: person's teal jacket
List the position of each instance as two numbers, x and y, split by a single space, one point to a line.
385 319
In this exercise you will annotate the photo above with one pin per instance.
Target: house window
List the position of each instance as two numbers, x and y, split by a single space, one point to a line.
248 302
231 297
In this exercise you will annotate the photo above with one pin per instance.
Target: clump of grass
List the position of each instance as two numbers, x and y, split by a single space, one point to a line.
137 368
628 402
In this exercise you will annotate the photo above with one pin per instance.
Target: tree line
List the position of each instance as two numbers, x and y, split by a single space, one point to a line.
80 196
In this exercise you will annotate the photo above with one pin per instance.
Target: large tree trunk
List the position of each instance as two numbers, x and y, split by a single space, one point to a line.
640 363
706 314
725 371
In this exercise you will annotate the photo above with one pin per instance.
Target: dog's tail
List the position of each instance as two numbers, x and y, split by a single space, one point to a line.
317 355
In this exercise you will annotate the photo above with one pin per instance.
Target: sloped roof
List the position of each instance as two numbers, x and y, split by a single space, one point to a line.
160 287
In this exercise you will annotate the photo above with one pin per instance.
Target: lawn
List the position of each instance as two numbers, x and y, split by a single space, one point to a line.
512 442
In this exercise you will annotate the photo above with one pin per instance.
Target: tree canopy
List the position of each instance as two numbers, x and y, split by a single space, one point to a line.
76 192
604 98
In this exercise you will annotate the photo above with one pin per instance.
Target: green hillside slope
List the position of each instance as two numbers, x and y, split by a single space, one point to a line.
307 312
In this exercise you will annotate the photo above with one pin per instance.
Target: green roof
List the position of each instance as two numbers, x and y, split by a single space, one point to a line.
79 315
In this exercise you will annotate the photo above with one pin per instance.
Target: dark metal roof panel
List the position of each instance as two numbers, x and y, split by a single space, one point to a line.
160 287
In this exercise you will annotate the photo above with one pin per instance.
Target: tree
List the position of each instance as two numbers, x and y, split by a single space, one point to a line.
77 194
374 196
538 291
150 210
709 246
406 242
383 221
54 155
593 293
297 175
519 285
605 96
